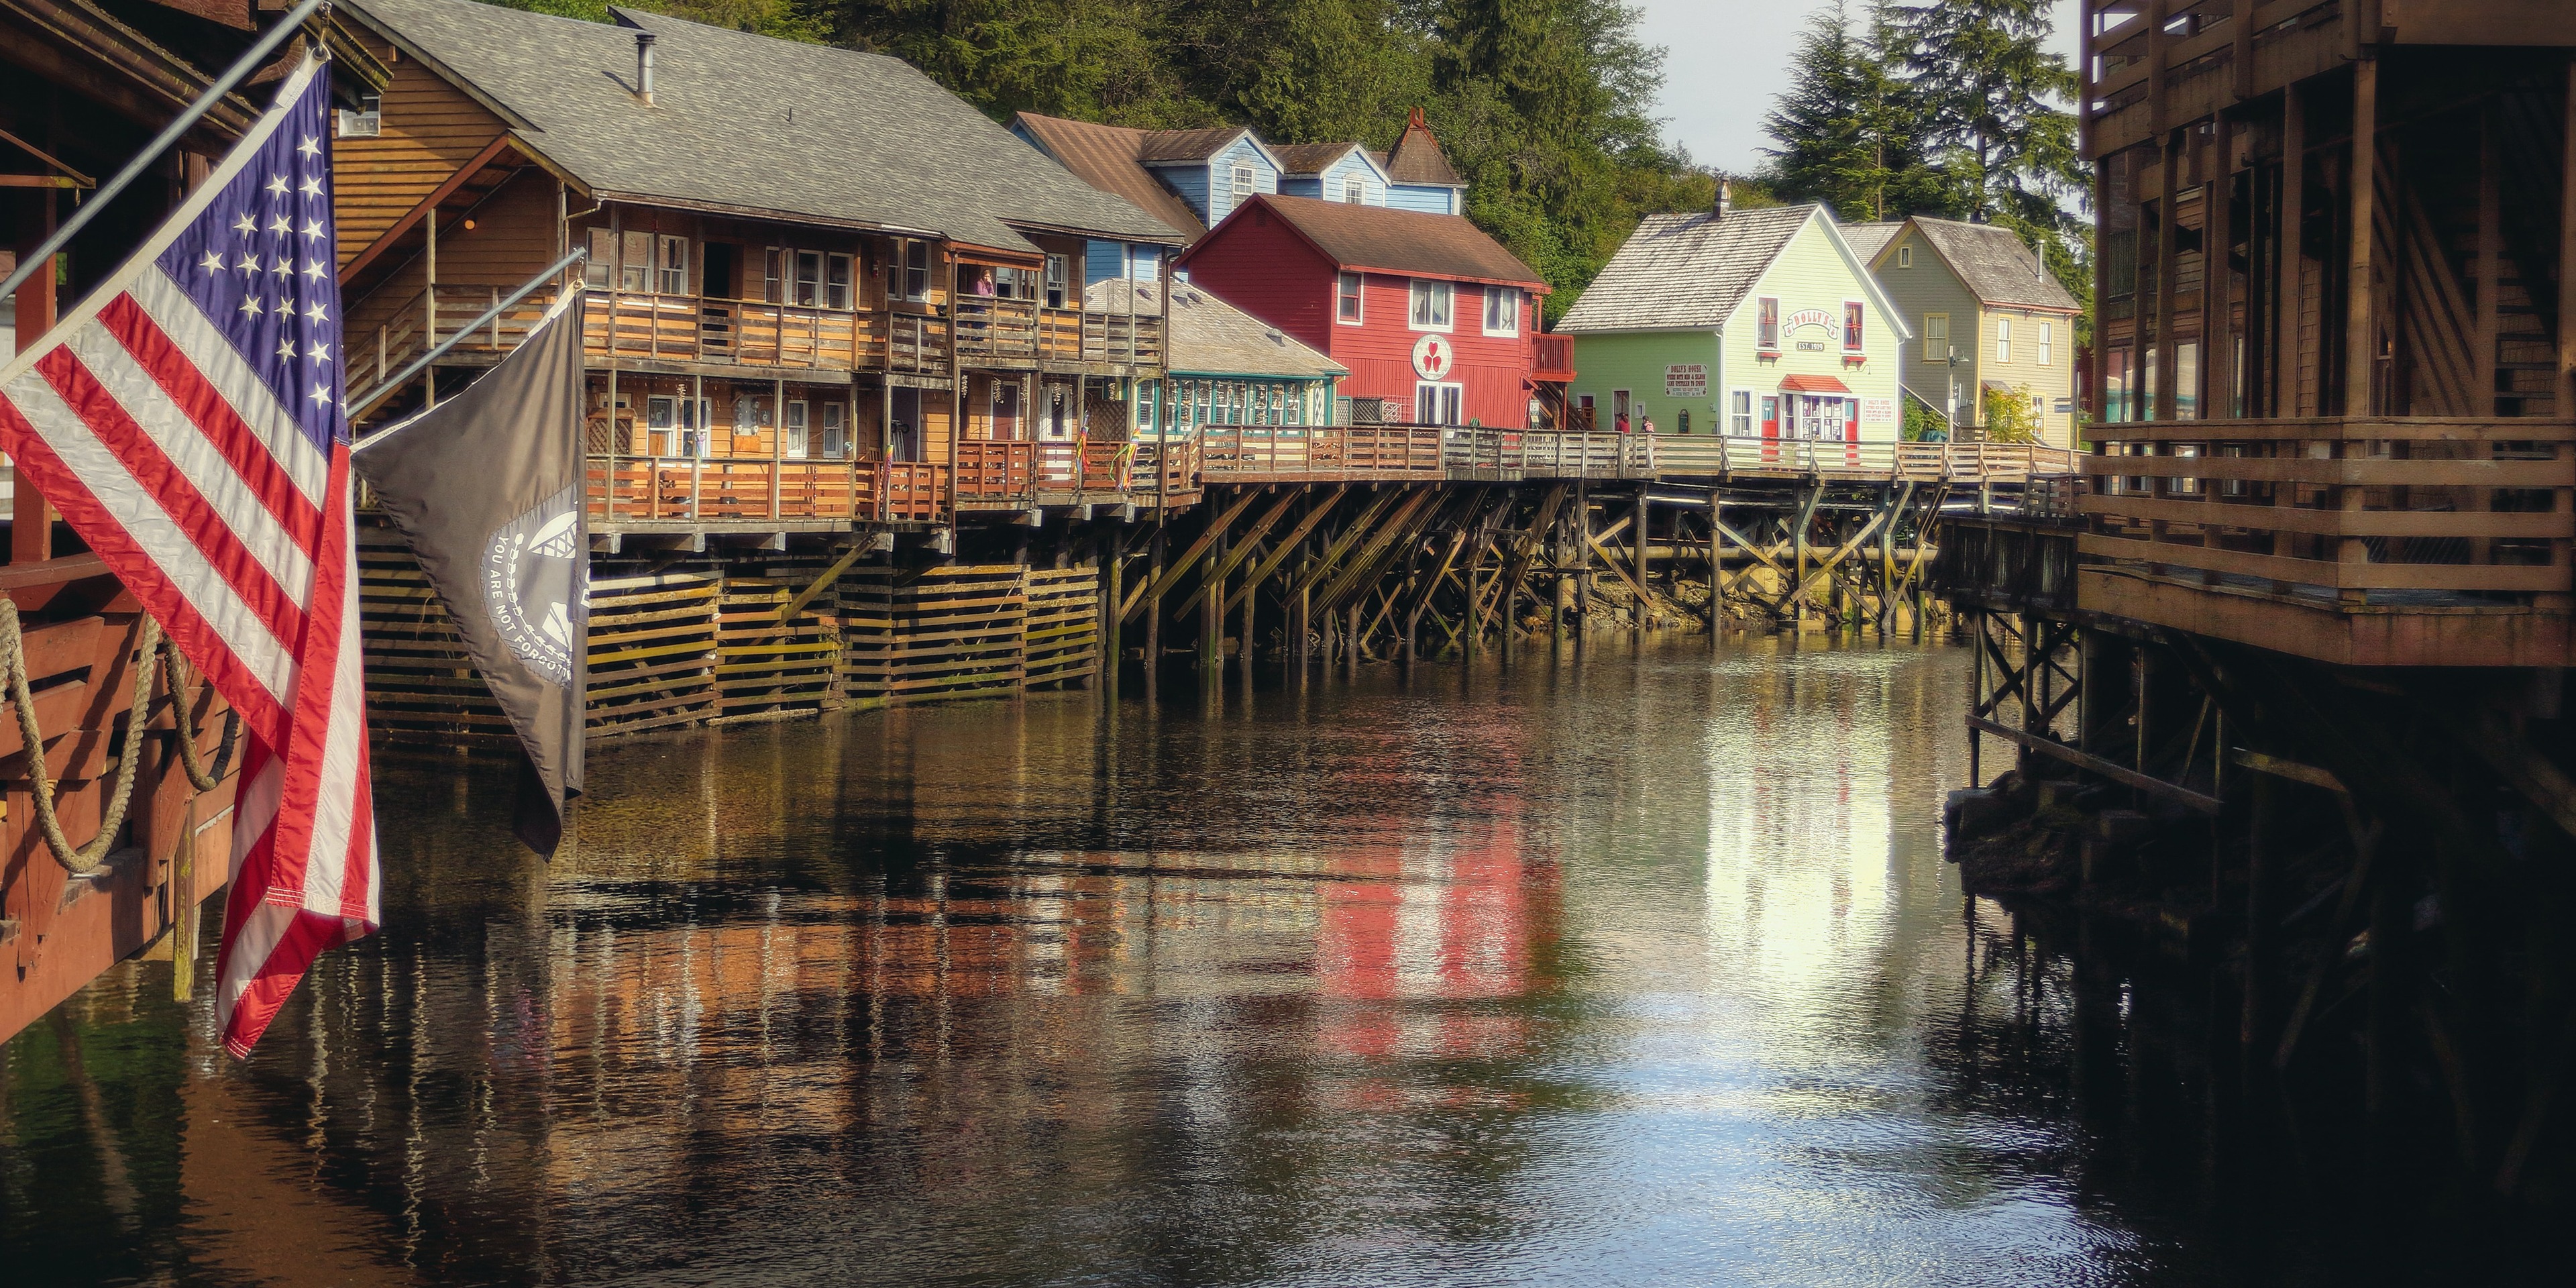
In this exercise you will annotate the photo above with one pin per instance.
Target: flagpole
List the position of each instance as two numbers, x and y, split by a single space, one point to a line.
249 62
359 405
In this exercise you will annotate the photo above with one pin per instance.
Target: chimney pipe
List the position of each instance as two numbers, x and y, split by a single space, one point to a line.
1725 197
644 65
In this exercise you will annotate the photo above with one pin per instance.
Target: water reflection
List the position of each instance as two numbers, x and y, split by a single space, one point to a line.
1638 968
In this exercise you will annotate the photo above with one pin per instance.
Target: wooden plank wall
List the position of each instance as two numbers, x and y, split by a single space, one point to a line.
431 128
701 642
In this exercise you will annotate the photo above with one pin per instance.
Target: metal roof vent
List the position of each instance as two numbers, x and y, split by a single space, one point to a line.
644 65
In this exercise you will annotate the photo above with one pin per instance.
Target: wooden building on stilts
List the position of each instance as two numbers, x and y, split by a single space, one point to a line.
833 315
2307 635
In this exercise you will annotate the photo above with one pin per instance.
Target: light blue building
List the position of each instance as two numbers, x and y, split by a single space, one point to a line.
1193 179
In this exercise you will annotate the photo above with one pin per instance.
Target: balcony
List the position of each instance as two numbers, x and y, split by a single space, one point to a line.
1552 359
1019 332
2368 542
1713 455
683 494
655 328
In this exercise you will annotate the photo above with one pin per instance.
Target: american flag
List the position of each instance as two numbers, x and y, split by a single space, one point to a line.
186 420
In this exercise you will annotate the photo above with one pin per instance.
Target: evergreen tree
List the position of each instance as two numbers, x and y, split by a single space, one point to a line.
1850 132
1991 94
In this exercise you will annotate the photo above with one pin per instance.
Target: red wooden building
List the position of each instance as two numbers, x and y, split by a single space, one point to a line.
1427 312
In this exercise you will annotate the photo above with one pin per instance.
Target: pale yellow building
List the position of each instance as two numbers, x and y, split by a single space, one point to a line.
1985 313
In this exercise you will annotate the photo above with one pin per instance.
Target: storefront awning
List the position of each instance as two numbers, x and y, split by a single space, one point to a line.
1814 385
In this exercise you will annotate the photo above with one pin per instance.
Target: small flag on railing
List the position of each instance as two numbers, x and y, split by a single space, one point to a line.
186 421
486 487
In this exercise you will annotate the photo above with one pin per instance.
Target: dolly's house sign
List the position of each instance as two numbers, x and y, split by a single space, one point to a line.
1686 380
1433 358
1804 318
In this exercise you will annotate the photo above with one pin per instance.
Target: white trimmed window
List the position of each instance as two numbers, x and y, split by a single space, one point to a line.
1852 315
1431 301
1502 311
1437 404
1936 337
796 443
2003 339
2047 344
672 275
1240 182
1739 413
1355 192
1905 257
1348 302
1766 325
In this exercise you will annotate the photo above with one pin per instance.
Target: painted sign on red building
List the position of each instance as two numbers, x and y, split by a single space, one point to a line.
1425 310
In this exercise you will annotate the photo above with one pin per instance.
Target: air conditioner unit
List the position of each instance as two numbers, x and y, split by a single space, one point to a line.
361 125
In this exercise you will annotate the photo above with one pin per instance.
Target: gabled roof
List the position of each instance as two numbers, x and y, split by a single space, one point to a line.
1386 240
1105 156
1867 240
1316 158
1995 264
1180 147
1210 337
1416 157
1684 272
749 125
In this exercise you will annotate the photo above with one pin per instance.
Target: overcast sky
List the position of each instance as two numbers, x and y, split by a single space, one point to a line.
1725 60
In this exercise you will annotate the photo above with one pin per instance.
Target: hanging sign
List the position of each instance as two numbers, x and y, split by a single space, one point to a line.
1804 318
1433 358
1686 380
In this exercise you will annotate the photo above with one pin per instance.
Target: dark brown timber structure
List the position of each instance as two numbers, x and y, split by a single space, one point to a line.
2284 684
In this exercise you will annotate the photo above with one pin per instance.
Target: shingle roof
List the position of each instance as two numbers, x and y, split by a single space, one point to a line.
746 123
1211 337
1867 240
1308 158
1392 241
1417 158
1684 272
1995 264
1104 156
1163 147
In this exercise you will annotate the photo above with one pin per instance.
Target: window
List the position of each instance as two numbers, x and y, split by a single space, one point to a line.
596 271
836 430
1436 404
1619 410
674 267
1851 326
1355 192
1502 311
1058 272
809 278
1766 334
795 442
837 277
1347 294
1583 411
1240 183
1739 413
914 271
1936 337
1431 306
2115 386
635 268
773 277
662 426
2003 339
2047 344
1905 257
2187 381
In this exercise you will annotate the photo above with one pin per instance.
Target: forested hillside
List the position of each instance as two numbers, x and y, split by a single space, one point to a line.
1542 104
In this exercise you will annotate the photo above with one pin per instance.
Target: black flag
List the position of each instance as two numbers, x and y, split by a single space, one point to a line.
486 487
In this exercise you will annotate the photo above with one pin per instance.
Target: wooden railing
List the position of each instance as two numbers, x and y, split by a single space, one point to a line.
1081 466
1696 454
1552 358
989 470
721 490
991 328
917 343
2444 508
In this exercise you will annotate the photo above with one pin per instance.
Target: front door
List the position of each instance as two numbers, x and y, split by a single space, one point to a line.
1006 410
903 436
1058 413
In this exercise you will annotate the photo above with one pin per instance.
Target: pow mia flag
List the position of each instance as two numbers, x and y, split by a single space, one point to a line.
486 487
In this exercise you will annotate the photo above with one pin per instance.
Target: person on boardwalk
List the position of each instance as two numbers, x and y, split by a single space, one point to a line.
1623 422
1648 426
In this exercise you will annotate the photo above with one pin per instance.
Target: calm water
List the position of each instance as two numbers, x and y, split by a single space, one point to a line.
1640 970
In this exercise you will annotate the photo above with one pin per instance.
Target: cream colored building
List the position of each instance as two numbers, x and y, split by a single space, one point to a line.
1985 313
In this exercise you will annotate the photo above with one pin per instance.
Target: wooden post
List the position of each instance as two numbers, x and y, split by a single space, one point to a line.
1113 560
1716 558
2217 280
2160 397
1351 640
2361 332
2490 263
2254 1022
2294 199
1643 556
1212 611
1154 605
1251 596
